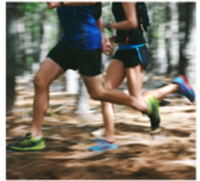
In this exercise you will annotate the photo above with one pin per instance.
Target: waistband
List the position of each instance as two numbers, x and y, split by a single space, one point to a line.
129 47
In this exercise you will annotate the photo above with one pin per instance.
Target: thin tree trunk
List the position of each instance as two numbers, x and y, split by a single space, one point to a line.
82 107
185 18
150 39
41 50
168 32
11 45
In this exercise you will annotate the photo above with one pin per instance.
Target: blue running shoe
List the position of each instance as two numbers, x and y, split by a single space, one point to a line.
184 87
103 145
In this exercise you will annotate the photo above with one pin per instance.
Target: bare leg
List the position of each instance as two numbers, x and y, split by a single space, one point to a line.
135 81
48 72
107 108
98 92
160 93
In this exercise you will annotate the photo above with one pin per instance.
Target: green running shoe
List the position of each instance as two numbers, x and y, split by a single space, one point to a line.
28 143
153 112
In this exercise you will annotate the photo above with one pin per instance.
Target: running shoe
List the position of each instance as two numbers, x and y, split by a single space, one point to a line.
184 87
103 145
153 112
28 143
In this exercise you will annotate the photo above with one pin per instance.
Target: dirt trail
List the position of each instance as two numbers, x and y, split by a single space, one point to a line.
170 155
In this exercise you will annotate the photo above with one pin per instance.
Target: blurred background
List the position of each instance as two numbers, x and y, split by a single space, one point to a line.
32 30
72 118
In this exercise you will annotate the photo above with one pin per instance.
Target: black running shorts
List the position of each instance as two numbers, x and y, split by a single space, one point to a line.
130 58
88 62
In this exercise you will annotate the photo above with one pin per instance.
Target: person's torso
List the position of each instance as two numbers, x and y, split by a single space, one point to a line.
79 26
133 36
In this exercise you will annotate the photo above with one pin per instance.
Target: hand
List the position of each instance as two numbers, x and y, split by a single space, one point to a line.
52 5
103 23
107 47
113 39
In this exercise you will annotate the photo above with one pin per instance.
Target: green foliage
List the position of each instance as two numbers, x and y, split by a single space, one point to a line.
30 8
29 62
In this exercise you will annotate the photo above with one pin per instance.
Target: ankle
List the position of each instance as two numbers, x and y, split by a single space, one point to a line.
110 142
36 134
175 86
37 137
146 110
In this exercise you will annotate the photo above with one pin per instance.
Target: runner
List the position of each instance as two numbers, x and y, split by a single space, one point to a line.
130 61
79 48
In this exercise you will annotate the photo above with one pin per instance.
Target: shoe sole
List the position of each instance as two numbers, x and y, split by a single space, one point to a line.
104 150
155 131
185 80
28 149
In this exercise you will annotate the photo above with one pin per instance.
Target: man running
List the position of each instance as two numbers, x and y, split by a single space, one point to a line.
79 48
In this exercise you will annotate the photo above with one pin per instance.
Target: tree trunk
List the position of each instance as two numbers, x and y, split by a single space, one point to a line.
150 39
82 107
12 16
185 24
168 41
41 50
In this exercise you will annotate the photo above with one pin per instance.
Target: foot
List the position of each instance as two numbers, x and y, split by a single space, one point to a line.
103 145
153 112
28 143
184 87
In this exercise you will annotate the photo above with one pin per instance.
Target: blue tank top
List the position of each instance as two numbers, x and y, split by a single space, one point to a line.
79 26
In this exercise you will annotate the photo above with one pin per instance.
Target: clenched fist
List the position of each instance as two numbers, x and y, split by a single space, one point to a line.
52 5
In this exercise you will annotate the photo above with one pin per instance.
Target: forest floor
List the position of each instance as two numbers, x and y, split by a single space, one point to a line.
169 155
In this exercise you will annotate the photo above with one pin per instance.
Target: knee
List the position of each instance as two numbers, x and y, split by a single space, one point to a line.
100 94
108 85
39 82
97 95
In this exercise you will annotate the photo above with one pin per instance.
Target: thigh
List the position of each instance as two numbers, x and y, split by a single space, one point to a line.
115 74
48 71
134 69
93 84
135 80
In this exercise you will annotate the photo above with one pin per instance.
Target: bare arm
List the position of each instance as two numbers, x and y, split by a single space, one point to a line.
131 21
52 5
107 47
99 24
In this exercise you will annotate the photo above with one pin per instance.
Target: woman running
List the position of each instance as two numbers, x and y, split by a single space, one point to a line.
130 61
79 48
